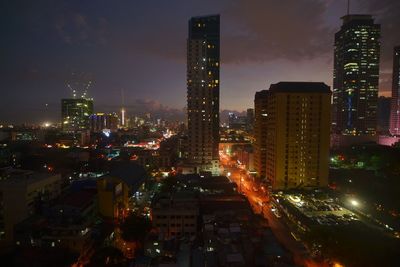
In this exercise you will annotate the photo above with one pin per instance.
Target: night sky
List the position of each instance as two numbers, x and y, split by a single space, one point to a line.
140 46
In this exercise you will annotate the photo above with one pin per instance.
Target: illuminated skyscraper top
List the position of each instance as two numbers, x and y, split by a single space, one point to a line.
356 76
75 111
203 92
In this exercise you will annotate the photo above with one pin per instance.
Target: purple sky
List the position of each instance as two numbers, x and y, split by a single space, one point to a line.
140 46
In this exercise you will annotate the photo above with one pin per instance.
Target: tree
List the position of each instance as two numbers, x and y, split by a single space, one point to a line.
107 256
135 228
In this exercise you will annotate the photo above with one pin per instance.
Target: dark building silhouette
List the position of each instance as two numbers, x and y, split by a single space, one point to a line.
203 60
383 115
356 76
395 105
250 118
260 133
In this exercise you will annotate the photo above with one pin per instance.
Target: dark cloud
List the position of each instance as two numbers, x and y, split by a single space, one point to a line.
387 13
141 46
33 75
270 30
77 29
255 31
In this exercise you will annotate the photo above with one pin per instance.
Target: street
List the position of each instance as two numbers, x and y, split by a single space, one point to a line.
259 201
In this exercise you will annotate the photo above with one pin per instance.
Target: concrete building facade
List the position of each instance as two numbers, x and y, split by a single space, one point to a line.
20 194
203 63
298 132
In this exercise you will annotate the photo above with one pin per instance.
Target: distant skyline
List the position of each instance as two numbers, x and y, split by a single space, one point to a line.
141 47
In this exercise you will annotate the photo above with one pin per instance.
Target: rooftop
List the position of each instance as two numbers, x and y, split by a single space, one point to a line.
356 17
79 199
182 199
262 93
11 176
300 87
132 174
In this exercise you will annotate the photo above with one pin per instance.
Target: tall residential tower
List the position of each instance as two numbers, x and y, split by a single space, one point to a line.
297 141
395 105
356 76
203 93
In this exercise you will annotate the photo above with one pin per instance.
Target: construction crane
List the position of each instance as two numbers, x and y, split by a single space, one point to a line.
79 85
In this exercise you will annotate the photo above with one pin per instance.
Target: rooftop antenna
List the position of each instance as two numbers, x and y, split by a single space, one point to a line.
348 7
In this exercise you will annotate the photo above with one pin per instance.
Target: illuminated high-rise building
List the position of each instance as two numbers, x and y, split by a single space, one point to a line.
356 76
297 135
203 59
260 133
395 105
75 114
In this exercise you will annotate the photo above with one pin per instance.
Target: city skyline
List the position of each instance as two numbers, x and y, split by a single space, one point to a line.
68 37
200 133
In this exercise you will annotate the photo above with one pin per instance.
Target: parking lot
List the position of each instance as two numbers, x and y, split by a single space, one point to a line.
325 211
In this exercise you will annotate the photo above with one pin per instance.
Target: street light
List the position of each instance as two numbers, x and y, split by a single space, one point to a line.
240 183
354 202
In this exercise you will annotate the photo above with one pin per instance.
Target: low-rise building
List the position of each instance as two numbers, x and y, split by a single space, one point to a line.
22 194
233 236
175 215
115 188
113 195
67 224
